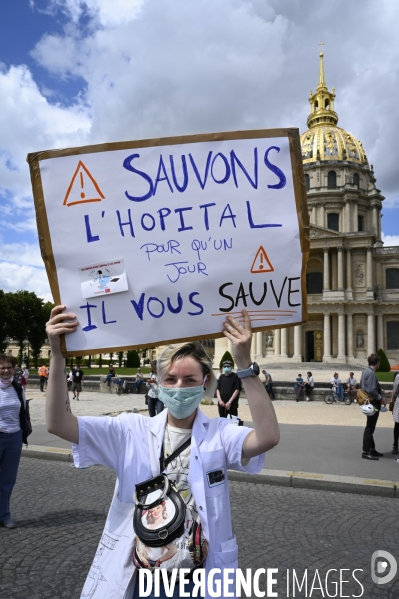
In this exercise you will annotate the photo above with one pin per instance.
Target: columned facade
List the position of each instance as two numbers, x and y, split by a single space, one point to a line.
353 280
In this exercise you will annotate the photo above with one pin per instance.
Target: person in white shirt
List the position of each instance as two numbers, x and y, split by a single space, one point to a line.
351 383
131 445
309 384
155 405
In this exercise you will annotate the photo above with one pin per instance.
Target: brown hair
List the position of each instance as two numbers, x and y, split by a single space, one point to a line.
373 359
10 359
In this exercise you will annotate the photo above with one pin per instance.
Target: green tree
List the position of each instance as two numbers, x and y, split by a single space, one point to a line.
226 356
133 359
384 362
27 320
5 321
36 334
120 359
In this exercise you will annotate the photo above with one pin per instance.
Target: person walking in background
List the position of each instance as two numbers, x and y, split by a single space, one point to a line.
77 381
336 387
25 376
43 373
309 384
111 374
17 374
299 385
139 379
268 383
228 391
370 385
155 405
12 402
69 379
351 383
395 413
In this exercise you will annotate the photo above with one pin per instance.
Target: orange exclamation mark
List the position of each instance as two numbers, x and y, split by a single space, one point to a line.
261 260
82 195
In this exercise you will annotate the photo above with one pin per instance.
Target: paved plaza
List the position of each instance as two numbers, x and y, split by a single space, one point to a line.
315 437
61 511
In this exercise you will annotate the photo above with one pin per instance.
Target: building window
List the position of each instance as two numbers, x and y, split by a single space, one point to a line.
332 180
392 278
392 335
333 221
314 282
307 182
360 223
356 180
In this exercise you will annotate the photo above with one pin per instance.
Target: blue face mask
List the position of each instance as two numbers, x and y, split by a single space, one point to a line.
181 401
227 369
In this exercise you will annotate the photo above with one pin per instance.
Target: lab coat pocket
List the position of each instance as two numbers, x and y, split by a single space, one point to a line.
215 477
227 558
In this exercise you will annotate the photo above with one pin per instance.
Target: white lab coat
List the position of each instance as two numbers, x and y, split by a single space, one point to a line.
130 444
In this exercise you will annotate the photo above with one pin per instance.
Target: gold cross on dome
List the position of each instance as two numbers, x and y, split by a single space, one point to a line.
321 44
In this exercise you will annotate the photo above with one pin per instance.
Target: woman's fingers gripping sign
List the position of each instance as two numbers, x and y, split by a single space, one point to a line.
60 323
240 336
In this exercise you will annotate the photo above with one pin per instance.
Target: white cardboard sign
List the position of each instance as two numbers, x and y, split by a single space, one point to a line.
154 241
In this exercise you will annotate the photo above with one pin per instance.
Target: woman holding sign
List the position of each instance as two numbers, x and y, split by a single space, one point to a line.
191 450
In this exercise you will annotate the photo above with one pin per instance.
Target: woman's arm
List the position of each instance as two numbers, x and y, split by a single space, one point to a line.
266 433
59 418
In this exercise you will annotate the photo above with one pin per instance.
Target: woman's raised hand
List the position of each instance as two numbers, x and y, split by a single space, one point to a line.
60 323
241 338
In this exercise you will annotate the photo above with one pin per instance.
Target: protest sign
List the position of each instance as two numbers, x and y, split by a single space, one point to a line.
156 241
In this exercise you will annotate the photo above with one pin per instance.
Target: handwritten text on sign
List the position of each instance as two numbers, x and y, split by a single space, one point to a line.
201 229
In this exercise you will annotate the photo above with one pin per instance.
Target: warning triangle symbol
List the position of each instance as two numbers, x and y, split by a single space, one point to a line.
261 262
83 188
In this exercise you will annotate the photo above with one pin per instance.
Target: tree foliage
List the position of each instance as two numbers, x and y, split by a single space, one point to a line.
25 316
133 359
384 362
226 356
5 320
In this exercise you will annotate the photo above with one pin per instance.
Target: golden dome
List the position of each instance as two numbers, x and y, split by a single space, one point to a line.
324 141
328 142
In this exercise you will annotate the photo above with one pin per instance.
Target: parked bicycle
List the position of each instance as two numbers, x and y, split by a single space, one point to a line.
333 397
122 386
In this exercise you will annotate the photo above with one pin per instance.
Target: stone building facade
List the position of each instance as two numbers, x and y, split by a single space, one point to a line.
352 279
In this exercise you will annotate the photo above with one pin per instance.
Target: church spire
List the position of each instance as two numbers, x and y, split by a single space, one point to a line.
321 71
322 101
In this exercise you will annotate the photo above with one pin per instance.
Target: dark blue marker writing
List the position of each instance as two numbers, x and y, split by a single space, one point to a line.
251 222
129 222
89 326
89 235
104 315
275 169
182 187
127 164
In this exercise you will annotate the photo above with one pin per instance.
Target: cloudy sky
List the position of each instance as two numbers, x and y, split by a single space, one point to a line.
74 72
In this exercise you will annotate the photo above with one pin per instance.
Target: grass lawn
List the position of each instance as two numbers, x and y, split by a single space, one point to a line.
386 377
121 372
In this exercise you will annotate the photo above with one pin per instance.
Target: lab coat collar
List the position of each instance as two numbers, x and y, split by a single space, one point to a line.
156 426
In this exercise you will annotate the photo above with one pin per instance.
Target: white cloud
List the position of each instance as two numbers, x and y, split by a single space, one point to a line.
154 68
16 276
29 122
390 240
107 13
27 254
391 202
